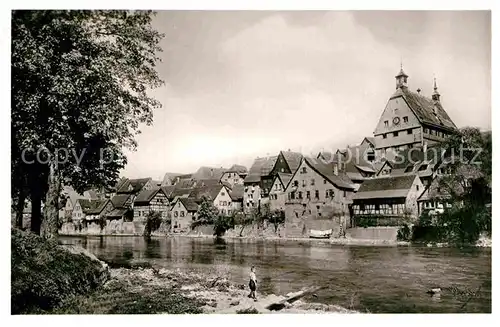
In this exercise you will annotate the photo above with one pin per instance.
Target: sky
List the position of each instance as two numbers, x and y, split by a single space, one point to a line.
244 84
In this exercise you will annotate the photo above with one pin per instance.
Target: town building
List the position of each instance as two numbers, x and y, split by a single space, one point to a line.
234 175
318 189
317 199
411 120
122 208
277 194
91 211
219 195
150 200
183 213
252 192
236 194
387 199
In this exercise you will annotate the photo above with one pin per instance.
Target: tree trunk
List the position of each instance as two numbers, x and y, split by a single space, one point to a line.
50 223
36 211
20 208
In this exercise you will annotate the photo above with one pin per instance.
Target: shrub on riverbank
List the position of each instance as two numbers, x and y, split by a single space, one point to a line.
44 273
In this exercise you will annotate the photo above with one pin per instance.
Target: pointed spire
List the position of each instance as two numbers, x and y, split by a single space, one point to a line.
435 94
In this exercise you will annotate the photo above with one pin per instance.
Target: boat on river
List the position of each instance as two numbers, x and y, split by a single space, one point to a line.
320 233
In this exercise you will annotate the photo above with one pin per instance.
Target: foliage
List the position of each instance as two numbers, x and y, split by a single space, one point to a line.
207 213
469 160
79 82
153 222
404 233
222 224
373 221
276 218
44 273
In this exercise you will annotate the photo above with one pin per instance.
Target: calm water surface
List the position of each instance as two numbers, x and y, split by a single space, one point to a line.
374 279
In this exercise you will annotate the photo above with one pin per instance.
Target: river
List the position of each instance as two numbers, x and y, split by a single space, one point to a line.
381 279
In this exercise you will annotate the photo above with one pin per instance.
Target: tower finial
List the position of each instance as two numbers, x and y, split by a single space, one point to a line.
435 94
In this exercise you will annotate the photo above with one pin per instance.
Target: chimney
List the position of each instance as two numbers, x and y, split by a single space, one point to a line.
336 169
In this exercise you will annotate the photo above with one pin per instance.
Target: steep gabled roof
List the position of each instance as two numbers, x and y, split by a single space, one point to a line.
240 169
169 177
120 200
208 182
210 192
427 110
92 207
168 190
260 167
293 159
133 185
342 182
369 139
326 156
145 196
385 187
189 204
185 183
205 173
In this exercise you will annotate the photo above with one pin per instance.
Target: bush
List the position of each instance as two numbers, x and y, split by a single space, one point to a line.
404 233
222 224
44 273
153 222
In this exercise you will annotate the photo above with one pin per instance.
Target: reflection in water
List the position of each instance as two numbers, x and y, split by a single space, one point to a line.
378 279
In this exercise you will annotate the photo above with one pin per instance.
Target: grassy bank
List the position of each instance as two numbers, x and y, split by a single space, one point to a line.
44 273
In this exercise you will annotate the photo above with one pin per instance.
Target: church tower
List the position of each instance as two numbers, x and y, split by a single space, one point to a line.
401 79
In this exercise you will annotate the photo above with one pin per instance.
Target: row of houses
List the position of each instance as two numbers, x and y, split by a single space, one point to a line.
395 173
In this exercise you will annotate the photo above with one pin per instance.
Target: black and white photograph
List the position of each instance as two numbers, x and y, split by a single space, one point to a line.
243 161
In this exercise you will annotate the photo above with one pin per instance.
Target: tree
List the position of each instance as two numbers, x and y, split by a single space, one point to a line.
277 217
79 93
207 213
153 222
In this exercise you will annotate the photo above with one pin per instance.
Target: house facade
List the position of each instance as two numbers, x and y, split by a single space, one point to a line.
183 213
218 194
150 200
319 191
122 208
389 199
411 120
277 195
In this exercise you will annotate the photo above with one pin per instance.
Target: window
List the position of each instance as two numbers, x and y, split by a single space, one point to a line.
422 168
417 187
396 134
405 119
296 183
282 170
176 214
300 195
345 194
308 195
327 194
410 146
222 193
312 181
292 195
410 131
386 123
316 194
426 130
324 181
431 132
182 213
304 183
304 170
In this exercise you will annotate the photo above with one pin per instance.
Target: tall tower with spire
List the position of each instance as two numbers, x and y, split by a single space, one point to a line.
401 79
435 94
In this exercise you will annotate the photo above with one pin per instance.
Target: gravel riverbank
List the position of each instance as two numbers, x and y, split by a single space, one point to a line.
150 290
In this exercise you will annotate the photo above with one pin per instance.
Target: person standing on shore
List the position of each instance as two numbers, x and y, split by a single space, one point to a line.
252 284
